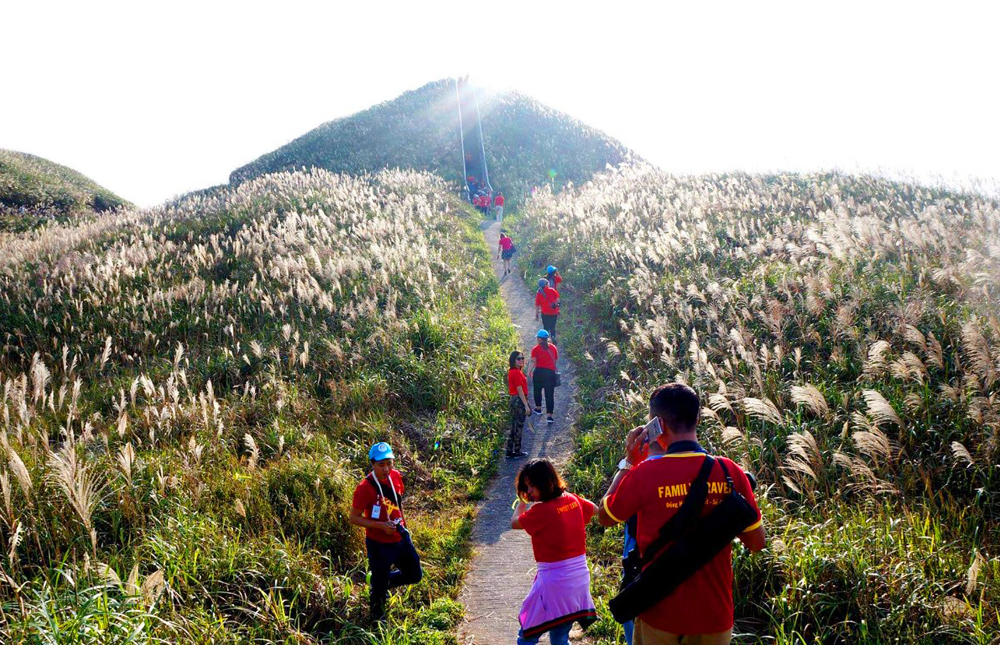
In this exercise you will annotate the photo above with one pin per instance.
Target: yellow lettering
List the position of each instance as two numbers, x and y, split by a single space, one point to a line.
567 507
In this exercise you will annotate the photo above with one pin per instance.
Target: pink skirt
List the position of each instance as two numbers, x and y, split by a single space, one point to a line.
560 594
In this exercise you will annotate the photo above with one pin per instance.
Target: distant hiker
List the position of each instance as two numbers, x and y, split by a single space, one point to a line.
556 521
505 251
700 607
547 305
378 507
498 206
517 387
553 277
542 371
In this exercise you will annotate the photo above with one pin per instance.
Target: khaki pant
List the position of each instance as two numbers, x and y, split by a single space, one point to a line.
644 634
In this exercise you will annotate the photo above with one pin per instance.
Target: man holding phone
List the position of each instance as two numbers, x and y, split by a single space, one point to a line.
700 611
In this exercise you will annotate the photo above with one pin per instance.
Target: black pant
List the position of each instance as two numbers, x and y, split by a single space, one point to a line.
549 325
381 557
544 379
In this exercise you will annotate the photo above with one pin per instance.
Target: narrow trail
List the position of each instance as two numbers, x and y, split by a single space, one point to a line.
503 566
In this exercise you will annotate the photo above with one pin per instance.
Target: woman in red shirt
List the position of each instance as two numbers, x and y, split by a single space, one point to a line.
543 373
505 251
553 277
556 521
517 387
547 304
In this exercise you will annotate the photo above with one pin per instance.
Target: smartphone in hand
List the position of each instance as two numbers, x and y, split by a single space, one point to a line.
653 430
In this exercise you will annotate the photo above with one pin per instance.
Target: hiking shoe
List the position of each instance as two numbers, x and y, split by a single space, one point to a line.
538 411
550 421
516 455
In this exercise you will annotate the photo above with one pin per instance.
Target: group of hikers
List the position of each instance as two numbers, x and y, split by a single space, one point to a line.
681 508
483 198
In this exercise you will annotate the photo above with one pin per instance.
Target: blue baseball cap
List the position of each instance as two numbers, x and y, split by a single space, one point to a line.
542 283
550 269
542 334
380 451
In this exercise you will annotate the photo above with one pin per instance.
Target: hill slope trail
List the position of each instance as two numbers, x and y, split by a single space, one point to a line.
503 566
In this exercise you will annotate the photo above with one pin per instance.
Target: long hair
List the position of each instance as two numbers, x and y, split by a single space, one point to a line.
513 358
541 474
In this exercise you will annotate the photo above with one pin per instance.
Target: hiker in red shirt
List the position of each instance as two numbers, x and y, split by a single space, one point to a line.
553 277
498 206
517 387
700 610
505 250
547 304
542 371
556 521
378 507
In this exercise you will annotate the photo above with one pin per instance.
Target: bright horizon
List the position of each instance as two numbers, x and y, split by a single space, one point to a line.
152 103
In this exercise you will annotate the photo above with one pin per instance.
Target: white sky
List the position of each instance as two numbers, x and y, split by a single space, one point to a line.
152 100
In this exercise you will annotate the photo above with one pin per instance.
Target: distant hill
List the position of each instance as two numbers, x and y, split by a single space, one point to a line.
420 130
33 189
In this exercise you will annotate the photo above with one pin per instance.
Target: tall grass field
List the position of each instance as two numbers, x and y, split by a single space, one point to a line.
188 393
843 334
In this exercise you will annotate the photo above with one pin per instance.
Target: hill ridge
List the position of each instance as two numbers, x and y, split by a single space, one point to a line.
526 141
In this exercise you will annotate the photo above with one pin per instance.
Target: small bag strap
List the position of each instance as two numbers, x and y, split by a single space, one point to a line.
395 498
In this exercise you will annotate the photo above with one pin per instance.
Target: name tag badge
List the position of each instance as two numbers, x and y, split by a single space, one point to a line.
376 512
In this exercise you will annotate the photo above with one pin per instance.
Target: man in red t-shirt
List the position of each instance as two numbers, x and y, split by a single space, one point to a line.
547 304
378 507
701 608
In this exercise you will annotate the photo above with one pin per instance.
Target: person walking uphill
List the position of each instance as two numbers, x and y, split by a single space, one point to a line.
517 387
693 608
498 206
505 251
556 521
543 373
553 276
547 304
378 507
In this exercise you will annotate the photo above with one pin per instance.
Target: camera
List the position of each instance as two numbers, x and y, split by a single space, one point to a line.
402 530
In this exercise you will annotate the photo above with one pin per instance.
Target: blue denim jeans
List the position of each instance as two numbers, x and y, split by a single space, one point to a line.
630 543
557 636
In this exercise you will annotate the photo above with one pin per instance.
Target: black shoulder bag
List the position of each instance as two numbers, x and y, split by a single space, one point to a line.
696 540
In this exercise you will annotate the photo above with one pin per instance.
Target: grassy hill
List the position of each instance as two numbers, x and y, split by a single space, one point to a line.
34 190
420 130
187 395
843 334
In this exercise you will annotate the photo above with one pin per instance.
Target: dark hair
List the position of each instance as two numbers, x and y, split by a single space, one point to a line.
541 474
513 357
678 405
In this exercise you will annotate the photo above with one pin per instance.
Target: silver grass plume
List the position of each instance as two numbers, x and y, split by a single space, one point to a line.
763 409
879 409
82 490
809 396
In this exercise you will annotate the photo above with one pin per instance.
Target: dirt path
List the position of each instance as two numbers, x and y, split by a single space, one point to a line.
503 567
